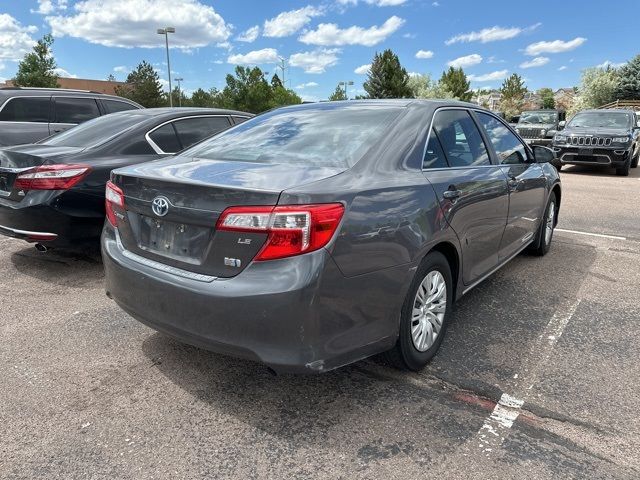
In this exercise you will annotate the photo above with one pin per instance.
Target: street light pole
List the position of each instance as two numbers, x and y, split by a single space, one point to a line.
350 82
179 79
166 31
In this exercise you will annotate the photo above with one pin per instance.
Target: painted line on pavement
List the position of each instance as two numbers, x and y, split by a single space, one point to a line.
601 235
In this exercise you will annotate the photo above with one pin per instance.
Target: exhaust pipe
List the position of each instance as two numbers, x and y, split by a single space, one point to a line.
41 248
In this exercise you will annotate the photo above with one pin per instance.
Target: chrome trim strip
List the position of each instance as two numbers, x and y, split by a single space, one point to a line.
161 266
158 150
15 170
580 162
26 233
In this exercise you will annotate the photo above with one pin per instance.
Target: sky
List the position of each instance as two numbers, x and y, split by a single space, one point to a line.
547 42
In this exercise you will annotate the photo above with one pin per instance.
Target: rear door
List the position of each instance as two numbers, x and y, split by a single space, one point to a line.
24 120
526 182
70 111
472 191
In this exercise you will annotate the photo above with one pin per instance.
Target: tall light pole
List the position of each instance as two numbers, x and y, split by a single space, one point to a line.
350 82
179 79
166 31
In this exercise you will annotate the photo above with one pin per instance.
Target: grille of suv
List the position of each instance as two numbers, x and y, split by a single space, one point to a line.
529 132
590 141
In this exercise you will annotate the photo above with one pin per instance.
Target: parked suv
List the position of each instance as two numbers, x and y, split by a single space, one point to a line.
599 137
538 127
31 114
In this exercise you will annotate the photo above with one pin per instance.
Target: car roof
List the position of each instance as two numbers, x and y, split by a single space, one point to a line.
9 92
389 102
606 110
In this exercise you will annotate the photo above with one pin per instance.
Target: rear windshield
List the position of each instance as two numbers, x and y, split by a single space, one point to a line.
94 132
323 136
601 119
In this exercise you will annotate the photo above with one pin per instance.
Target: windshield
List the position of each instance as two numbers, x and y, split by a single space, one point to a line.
321 135
95 132
538 117
601 119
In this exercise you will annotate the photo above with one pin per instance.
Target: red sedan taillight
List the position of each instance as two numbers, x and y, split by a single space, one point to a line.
292 229
51 177
113 197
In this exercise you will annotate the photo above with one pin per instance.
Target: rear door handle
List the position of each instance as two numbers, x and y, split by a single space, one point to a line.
451 194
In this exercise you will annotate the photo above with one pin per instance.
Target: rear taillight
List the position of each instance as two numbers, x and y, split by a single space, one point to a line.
51 177
113 197
292 229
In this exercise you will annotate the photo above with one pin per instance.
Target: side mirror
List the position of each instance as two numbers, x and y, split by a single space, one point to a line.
561 124
543 154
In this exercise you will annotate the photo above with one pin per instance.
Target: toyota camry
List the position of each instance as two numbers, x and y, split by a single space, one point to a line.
316 235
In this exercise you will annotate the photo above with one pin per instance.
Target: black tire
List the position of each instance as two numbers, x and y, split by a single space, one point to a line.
404 355
541 245
623 171
634 162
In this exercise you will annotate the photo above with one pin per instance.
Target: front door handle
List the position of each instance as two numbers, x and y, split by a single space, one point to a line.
513 183
451 194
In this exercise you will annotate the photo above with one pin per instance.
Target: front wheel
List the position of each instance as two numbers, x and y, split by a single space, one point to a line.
634 162
623 170
545 231
424 315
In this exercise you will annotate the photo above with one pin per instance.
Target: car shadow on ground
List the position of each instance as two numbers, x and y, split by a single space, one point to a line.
595 171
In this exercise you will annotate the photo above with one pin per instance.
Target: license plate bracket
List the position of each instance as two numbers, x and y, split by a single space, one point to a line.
585 152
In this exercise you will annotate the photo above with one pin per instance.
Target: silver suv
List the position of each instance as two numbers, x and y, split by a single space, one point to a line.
31 114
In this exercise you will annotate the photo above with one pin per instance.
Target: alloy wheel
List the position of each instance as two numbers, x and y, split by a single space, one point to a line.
429 308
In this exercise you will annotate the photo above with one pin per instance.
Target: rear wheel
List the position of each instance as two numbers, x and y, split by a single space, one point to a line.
545 231
425 314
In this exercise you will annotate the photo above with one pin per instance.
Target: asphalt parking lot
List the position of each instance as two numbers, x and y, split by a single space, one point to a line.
538 376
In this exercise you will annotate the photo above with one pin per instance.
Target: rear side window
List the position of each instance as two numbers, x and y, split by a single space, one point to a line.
166 139
507 146
460 138
26 109
75 110
192 130
434 155
112 106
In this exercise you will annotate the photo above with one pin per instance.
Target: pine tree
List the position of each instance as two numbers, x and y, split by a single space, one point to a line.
143 86
37 68
512 96
455 81
629 81
276 82
387 78
338 94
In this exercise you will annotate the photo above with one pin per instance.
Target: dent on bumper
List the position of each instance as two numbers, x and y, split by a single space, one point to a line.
296 315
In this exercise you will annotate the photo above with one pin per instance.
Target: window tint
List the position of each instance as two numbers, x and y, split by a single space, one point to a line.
192 130
507 146
26 109
111 106
75 110
460 139
166 139
434 156
238 120
96 131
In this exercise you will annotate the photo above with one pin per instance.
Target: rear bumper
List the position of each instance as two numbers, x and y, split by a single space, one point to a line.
298 314
600 156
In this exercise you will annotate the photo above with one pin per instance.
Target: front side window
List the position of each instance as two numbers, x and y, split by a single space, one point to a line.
460 138
166 139
26 109
507 146
75 110
192 130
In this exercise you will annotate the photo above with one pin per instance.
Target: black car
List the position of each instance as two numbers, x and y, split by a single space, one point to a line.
316 235
52 192
600 137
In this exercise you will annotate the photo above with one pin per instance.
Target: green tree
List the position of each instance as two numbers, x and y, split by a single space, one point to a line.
338 94
281 97
387 78
455 81
423 86
247 90
512 96
143 86
598 86
37 68
202 98
111 78
275 81
629 80
546 95
179 98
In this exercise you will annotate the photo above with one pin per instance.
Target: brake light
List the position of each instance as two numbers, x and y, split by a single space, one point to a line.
292 229
113 197
51 177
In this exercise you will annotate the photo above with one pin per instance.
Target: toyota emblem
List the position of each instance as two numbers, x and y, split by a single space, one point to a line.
160 206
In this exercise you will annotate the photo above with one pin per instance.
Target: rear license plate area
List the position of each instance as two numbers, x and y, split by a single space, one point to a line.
179 241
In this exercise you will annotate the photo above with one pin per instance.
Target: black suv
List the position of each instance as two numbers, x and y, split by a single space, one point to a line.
31 114
605 137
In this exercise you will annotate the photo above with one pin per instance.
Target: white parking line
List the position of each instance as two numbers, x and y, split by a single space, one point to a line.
601 235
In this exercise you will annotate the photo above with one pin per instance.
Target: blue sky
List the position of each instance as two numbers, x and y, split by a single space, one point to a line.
547 42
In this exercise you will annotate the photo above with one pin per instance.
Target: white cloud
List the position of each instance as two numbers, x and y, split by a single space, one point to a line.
249 35
536 62
563 67
424 54
555 46
256 57
316 61
378 3
435 4
493 59
47 7
288 23
363 69
302 86
121 69
15 39
329 34
409 35
61 72
491 34
466 61
608 63
114 23
488 77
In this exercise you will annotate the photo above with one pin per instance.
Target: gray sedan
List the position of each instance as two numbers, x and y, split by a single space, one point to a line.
316 235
